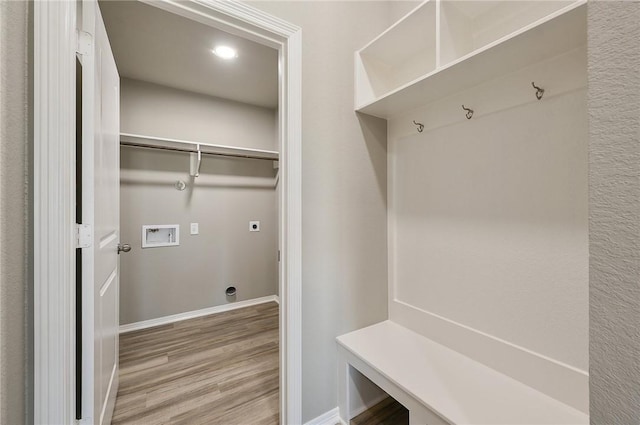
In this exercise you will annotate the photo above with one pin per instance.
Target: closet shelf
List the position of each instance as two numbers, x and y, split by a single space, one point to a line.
150 142
396 72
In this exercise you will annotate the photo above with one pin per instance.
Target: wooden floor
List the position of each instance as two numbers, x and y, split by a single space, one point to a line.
218 369
387 412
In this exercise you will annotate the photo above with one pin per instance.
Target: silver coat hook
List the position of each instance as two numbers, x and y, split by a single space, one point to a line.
539 91
420 126
469 113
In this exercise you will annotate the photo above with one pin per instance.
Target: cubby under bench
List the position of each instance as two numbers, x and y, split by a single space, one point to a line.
436 384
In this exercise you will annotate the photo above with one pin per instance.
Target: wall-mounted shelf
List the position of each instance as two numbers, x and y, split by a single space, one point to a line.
444 46
137 140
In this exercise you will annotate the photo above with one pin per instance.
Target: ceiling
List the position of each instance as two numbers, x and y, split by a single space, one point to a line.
152 45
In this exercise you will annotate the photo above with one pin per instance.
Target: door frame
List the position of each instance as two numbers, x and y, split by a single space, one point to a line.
55 47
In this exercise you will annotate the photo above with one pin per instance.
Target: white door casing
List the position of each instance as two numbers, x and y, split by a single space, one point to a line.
54 185
100 210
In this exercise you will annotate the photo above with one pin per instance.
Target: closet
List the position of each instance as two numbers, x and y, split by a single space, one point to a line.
203 221
199 212
486 107
206 165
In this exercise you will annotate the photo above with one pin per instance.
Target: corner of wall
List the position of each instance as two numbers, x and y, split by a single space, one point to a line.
614 216
15 346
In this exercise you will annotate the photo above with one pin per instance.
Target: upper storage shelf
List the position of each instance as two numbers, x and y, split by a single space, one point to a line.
141 141
446 46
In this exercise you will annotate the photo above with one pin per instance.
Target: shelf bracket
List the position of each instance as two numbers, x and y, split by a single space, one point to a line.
195 161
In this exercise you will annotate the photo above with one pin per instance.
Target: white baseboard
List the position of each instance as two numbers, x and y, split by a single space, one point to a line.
332 417
129 327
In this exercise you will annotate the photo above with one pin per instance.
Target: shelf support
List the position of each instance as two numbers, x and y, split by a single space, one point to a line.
195 161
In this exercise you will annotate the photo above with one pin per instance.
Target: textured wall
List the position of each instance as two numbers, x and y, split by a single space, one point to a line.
614 219
344 251
14 134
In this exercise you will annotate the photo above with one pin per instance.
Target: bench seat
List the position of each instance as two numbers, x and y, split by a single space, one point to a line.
439 385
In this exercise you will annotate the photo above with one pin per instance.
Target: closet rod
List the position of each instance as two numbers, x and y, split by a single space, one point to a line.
146 142
231 155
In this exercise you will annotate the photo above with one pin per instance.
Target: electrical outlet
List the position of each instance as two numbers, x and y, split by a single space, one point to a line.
194 229
254 226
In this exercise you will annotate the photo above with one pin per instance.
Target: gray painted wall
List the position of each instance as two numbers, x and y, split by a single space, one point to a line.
154 110
399 8
614 219
344 247
14 254
157 282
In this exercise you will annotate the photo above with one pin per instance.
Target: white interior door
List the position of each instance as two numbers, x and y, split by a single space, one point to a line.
100 209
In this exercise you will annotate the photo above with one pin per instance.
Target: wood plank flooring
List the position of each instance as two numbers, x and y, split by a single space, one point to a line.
218 369
387 412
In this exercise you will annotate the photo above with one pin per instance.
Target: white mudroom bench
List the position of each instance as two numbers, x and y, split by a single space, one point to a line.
436 384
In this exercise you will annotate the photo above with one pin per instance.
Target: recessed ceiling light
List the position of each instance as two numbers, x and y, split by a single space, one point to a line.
225 52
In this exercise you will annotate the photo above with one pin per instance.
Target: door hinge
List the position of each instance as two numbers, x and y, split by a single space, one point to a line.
84 43
84 235
278 255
